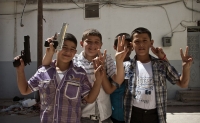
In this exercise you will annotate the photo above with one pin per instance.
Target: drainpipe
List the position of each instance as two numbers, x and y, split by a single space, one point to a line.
40 33
15 30
40 38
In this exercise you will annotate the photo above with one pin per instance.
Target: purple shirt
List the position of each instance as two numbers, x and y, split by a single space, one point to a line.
60 102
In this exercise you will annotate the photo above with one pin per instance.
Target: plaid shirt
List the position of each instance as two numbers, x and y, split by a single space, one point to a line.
60 101
162 70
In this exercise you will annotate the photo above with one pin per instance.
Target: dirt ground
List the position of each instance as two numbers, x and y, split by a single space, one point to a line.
175 114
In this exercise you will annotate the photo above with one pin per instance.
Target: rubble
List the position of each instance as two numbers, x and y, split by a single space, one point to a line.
21 107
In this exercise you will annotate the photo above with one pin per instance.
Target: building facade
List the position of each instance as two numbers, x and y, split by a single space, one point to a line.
176 20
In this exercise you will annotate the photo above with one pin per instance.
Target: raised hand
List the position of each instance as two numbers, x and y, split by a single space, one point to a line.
21 66
186 59
158 51
98 69
121 49
102 57
51 49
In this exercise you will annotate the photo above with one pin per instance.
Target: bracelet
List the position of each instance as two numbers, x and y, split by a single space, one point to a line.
163 57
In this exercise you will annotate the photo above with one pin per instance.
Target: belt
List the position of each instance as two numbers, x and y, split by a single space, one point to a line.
92 117
146 111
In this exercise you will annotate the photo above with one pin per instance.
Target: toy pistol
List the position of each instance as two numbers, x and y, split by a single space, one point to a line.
58 38
25 54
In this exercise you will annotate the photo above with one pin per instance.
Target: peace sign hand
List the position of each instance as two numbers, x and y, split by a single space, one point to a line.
122 50
98 69
102 57
186 59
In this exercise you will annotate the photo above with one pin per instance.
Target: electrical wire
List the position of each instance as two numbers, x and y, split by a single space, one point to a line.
119 5
116 4
77 4
21 24
190 8
168 19
181 23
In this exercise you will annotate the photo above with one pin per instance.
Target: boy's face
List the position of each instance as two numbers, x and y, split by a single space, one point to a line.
67 52
91 45
141 43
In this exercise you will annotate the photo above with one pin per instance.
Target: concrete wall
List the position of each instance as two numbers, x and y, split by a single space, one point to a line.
112 21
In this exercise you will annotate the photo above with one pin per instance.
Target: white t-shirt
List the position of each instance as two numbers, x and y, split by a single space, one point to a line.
59 75
144 87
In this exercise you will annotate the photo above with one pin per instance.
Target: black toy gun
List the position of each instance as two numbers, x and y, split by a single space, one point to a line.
25 54
58 38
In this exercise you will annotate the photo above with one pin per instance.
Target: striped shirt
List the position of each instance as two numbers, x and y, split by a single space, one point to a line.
60 102
162 70
103 99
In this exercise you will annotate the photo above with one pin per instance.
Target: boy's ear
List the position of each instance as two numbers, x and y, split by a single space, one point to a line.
81 43
131 44
152 41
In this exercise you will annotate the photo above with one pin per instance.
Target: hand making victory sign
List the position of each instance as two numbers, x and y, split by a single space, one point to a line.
186 59
122 50
186 64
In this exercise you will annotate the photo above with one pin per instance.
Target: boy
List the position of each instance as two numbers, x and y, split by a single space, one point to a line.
118 95
145 97
62 85
100 110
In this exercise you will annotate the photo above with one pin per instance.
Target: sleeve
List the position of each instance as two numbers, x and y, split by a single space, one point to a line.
33 82
113 82
110 66
172 75
86 86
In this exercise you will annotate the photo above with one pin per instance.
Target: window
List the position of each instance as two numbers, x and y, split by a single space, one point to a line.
92 10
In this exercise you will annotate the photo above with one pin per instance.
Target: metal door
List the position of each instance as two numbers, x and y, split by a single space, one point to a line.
193 39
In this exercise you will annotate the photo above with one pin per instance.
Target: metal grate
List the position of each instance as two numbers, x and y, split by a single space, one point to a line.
92 10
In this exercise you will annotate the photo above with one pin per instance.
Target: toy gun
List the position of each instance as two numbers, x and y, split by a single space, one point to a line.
25 54
58 38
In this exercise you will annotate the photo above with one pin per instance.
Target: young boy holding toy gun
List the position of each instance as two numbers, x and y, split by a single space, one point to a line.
63 85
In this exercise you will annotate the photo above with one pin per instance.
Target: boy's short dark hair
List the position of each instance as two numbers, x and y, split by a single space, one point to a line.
141 30
70 37
127 38
91 32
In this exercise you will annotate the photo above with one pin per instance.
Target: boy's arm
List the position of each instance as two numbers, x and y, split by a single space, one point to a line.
94 92
107 85
186 64
21 79
119 56
49 54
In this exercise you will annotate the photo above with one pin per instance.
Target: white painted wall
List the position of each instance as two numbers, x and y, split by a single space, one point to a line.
113 20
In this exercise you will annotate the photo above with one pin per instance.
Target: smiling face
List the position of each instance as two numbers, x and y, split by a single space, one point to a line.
67 52
91 44
141 44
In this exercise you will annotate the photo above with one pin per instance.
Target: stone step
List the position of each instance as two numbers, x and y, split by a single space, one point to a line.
187 94
179 103
194 88
190 99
